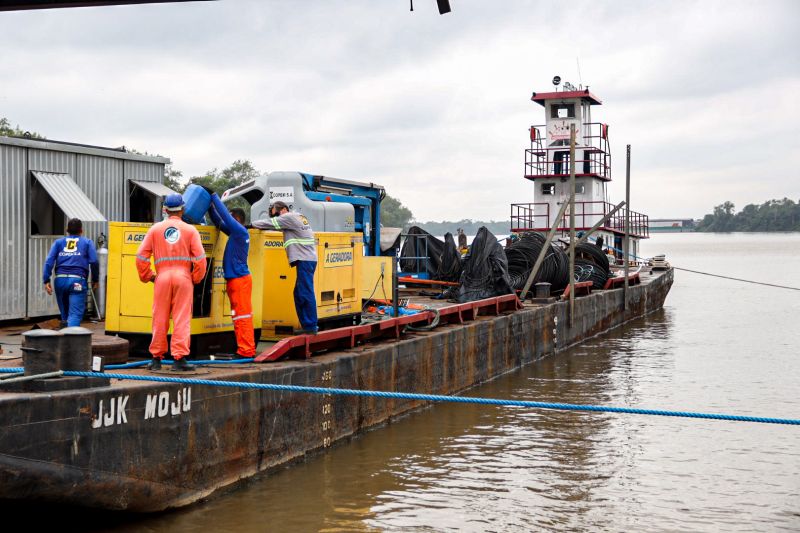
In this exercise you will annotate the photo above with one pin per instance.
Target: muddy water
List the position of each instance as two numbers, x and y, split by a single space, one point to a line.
718 346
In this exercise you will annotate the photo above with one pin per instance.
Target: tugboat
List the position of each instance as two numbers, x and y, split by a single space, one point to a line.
547 165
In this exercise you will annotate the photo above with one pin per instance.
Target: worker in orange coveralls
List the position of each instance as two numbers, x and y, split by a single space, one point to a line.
180 262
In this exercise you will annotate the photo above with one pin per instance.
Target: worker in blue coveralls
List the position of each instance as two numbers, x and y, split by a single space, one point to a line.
301 249
73 257
238 281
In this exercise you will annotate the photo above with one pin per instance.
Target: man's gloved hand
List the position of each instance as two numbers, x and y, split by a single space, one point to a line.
209 190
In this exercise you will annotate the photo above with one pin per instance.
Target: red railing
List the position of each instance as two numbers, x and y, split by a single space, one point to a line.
592 154
537 217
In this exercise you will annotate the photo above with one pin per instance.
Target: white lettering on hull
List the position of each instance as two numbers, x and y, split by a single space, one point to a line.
111 414
113 411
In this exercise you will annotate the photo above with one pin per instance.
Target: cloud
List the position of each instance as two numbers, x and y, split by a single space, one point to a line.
436 108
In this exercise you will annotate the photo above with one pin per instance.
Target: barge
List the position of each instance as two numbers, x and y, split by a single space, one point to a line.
147 446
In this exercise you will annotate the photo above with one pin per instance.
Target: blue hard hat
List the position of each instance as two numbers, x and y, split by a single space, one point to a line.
173 202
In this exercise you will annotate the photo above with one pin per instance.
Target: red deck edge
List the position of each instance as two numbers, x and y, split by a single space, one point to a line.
304 346
581 288
613 283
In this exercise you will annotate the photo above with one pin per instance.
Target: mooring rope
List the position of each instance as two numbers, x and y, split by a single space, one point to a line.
739 279
707 273
438 398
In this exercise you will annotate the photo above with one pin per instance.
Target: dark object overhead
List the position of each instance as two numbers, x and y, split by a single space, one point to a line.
19 5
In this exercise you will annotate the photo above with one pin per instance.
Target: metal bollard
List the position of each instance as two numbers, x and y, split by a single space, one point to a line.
76 349
41 351
541 290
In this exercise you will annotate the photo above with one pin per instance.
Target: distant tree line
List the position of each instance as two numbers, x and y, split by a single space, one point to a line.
7 131
773 215
469 226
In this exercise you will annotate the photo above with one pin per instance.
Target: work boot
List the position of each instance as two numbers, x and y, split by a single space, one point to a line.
62 324
181 364
155 364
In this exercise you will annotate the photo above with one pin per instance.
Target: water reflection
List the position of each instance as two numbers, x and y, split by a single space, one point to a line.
519 468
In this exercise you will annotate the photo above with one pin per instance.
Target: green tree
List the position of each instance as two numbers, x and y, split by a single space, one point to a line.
239 172
721 220
174 180
7 131
394 214
772 215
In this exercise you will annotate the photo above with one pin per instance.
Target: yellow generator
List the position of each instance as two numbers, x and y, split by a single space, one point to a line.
377 278
129 302
337 283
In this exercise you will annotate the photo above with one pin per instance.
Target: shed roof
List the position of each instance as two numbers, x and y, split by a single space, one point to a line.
77 148
69 196
154 188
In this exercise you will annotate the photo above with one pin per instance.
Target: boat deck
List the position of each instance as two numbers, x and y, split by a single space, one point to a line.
11 339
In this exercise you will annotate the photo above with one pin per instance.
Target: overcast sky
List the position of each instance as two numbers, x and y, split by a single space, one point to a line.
434 107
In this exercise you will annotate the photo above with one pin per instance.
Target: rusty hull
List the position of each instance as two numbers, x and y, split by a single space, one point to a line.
50 451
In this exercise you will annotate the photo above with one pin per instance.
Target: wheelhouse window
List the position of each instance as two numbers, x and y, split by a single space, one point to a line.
562 111
548 188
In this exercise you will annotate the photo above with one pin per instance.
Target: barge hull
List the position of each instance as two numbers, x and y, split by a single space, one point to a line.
145 446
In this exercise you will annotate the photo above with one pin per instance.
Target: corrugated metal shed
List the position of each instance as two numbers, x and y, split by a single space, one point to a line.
102 175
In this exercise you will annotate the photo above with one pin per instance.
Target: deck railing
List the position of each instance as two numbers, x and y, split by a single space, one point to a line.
592 154
537 217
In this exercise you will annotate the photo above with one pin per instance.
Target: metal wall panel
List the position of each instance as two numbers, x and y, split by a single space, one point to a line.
49 161
139 170
101 178
13 232
39 302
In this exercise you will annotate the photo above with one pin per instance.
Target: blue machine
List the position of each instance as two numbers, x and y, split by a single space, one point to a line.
364 197
330 204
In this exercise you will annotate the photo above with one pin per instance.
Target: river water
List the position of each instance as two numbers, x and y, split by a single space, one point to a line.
717 346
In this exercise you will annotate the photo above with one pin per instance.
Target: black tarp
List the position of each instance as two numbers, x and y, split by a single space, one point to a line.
450 263
421 244
485 269
440 260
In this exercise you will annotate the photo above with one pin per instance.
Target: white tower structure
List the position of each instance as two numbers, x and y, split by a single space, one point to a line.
547 165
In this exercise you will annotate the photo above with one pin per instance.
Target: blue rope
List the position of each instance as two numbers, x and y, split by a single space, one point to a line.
137 364
439 398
